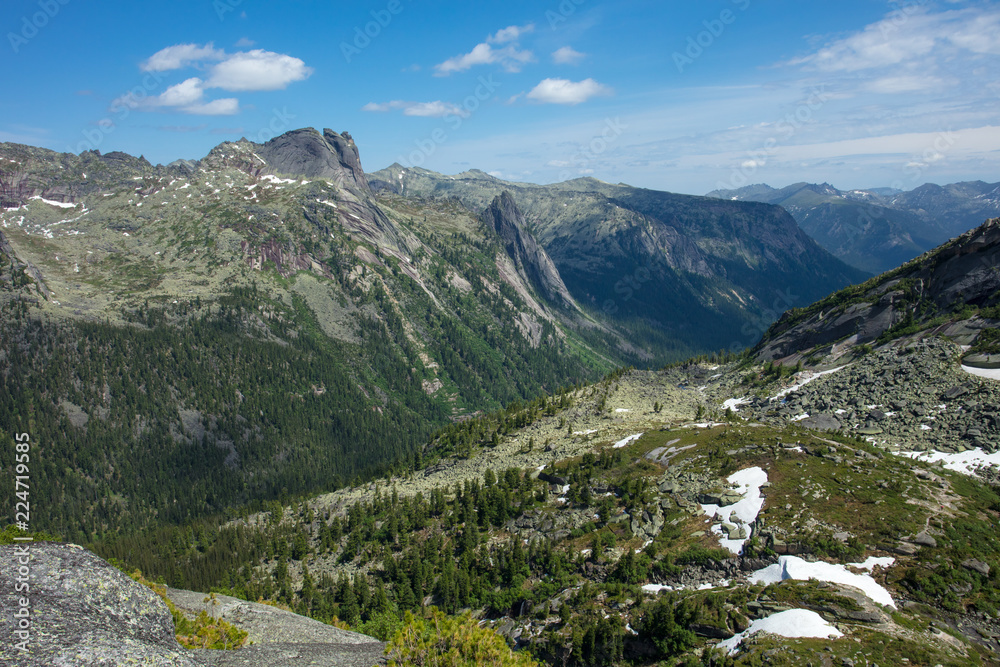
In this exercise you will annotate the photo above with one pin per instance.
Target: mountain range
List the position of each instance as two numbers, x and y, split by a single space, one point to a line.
271 375
175 310
878 229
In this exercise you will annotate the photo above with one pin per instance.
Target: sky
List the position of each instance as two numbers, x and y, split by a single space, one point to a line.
679 96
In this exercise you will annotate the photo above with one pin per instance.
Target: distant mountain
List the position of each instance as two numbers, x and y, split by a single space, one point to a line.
879 229
670 271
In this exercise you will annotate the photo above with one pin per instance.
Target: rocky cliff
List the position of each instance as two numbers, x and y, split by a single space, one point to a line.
504 217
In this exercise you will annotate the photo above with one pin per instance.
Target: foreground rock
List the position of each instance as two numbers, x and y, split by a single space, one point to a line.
84 611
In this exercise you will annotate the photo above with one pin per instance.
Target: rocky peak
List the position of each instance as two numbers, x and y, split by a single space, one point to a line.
306 152
506 219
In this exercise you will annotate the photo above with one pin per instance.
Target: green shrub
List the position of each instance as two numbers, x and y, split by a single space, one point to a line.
448 641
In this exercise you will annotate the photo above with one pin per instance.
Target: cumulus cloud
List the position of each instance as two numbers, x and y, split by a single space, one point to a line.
186 97
256 70
181 94
511 57
181 55
567 55
564 91
510 33
435 109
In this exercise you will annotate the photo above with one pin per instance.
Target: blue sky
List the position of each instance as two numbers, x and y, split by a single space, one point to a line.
678 96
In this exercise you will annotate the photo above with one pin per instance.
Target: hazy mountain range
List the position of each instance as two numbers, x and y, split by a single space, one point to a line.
878 229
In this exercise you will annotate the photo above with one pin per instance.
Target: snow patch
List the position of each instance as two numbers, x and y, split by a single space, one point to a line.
53 203
990 373
793 623
748 483
734 403
965 462
804 378
656 588
274 179
793 567
872 562
625 441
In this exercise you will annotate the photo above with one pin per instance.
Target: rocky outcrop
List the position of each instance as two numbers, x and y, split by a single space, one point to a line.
531 260
963 271
84 612
308 153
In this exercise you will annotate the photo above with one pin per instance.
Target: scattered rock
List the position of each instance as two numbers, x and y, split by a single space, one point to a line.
976 566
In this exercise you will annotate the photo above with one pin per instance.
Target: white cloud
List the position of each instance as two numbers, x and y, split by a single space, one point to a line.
258 70
907 37
567 55
435 109
186 97
903 84
180 55
510 34
181 94
978 34
227 106
511 57
564 91
244 43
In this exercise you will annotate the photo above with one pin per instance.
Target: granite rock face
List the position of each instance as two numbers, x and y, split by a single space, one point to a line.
531 259
306 152
85 612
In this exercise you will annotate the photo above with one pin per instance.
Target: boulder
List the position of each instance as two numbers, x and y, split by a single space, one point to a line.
976 566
